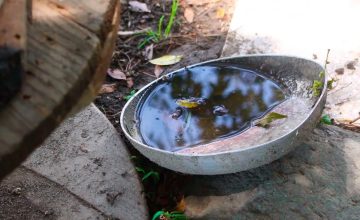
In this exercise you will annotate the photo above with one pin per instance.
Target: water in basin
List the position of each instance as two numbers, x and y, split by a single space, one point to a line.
203 104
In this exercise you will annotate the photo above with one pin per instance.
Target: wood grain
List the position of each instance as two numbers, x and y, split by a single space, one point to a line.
70 44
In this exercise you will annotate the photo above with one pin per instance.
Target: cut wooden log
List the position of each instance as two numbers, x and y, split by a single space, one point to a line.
13 23
70 44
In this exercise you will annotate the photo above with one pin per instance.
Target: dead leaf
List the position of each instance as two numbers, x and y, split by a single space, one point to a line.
340 71
158 70
180 206
189 15
130 82
351 65
166 60
116 74
107 88
268 118
149 51
138 6
220 13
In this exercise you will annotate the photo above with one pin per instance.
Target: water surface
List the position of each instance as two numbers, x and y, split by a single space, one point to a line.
229 99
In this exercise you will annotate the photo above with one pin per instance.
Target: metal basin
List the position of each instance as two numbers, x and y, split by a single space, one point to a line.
256 146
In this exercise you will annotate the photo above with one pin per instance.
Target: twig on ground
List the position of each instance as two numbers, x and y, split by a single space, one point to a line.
129 33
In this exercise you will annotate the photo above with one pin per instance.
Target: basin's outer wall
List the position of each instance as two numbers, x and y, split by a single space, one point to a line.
232 161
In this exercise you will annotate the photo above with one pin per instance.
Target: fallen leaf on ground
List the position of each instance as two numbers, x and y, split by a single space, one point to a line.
149 51
158 70
351 65
340 71
181 205
130 82
107 88
272 116
116 74
189 15
166 60
138 6
220 13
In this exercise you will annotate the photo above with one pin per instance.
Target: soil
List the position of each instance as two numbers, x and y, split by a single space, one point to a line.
198 40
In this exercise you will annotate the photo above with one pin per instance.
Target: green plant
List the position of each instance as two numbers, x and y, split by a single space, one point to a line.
156 36
169 215
131 94
146 175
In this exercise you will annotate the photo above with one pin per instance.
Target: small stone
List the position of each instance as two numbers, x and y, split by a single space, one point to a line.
351 65
16 191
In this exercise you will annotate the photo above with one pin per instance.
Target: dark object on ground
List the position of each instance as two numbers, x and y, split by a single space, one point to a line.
11 72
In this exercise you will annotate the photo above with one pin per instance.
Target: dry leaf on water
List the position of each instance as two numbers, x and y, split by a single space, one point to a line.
166 60
158 70
138 6
107 88
189 15
116 74
130 82
220 13
268 118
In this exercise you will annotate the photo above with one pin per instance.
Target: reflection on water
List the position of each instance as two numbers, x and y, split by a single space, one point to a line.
240 94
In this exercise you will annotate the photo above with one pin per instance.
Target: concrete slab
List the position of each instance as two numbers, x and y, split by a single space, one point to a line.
319 180
86 158
26 195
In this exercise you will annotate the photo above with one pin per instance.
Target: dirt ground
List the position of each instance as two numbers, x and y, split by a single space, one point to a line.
198 34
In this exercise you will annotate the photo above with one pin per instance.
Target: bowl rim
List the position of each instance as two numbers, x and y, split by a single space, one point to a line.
133 140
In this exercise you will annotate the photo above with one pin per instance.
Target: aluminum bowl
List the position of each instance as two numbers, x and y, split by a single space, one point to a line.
256 146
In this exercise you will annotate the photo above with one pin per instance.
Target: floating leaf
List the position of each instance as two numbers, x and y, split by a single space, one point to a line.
116 74
190 102
138 6
189 15
107 88
166 60
272 116
326 120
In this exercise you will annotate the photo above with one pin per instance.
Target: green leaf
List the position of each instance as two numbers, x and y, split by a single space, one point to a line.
322 74
316 88
177 216
157 215
132 93
166 60
326 120
140 170
154 174
159 32
174 7
272 116
330 83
